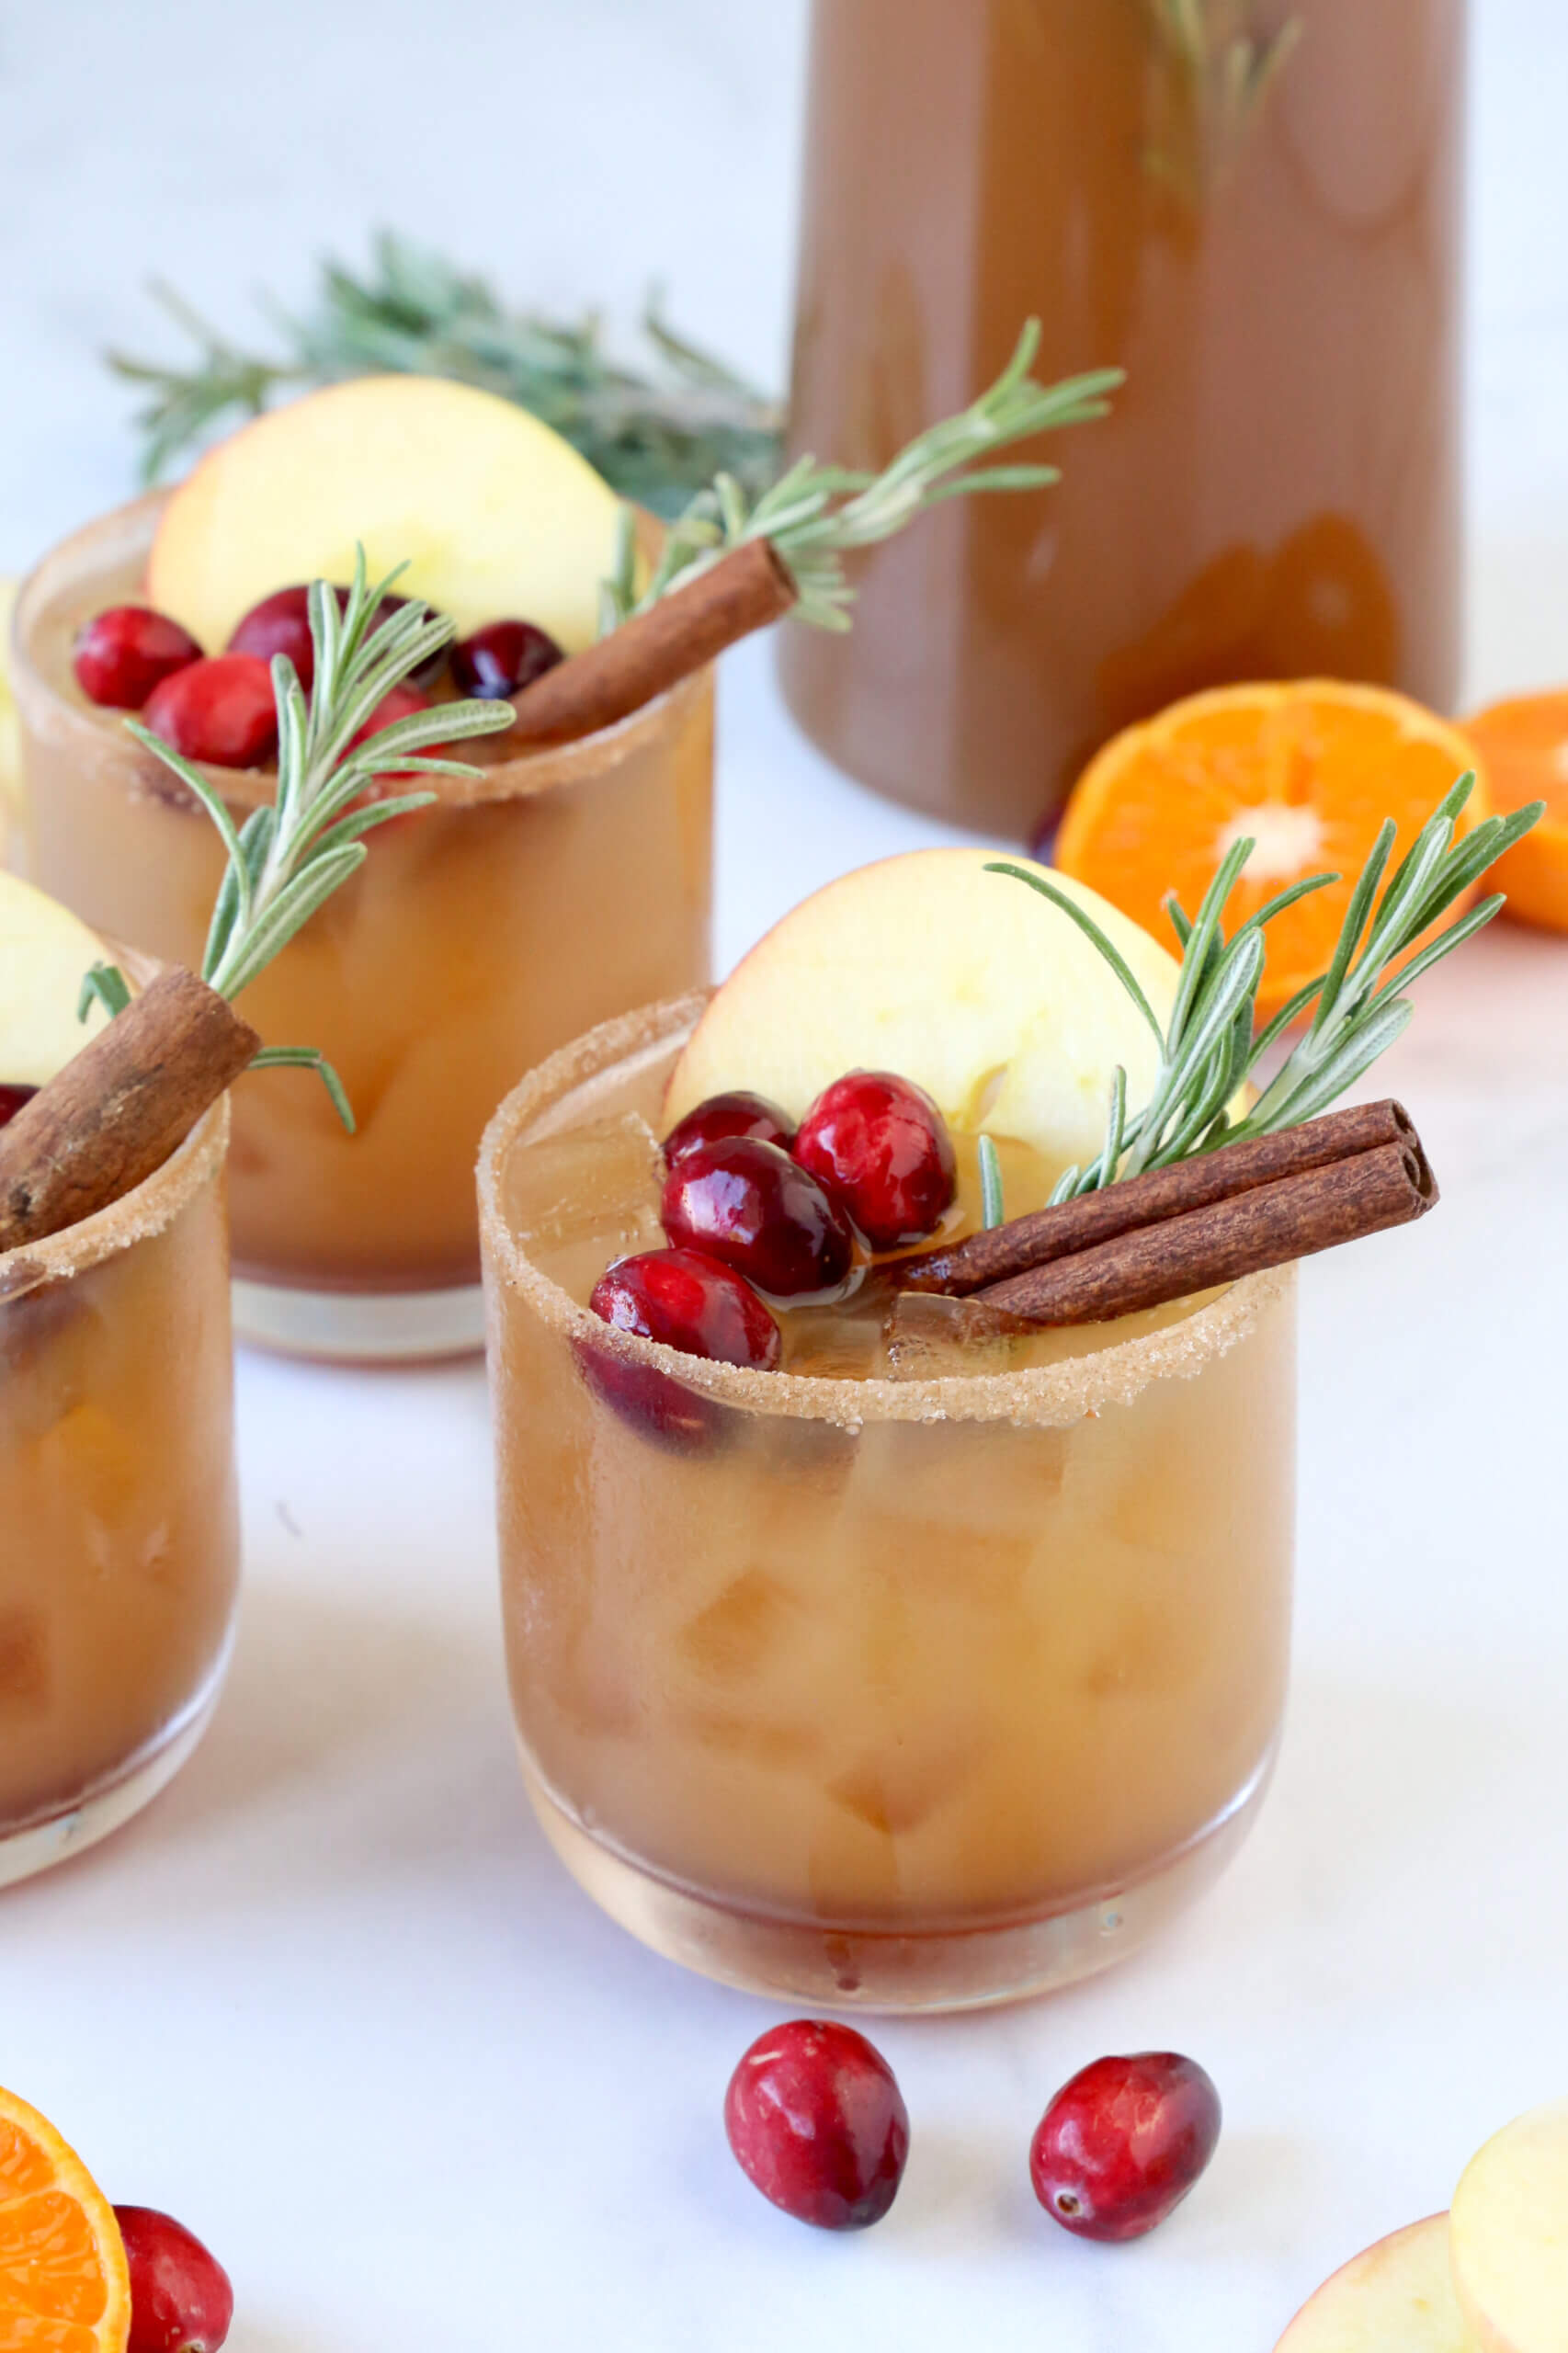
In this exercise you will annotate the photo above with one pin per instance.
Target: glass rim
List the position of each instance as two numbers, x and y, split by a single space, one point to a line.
1050 1396
527 776
147 1210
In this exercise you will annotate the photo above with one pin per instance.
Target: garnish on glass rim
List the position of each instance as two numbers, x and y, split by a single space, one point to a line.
1184 1194
654 435
115 1113
730 564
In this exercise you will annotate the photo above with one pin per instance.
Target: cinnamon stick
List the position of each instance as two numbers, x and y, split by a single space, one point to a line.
1093 1218
1316 1209
654 650
120 1107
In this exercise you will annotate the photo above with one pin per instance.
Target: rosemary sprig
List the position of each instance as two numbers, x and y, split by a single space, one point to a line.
1212 1043
655 435
1222 69
815 514
292 853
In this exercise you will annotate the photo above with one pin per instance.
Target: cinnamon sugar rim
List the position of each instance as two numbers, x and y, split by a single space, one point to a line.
148 1209
1052 1396
526 776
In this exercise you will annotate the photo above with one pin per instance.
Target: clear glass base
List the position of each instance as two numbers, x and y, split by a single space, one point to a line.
360 1327
39 1845
855 1969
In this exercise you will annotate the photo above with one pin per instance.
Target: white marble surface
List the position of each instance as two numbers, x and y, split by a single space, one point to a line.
331 1999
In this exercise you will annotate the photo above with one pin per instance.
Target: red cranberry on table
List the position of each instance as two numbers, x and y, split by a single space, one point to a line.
816 2121
11 1101
281 624
221 711
181 2300
748 1203
738 1113
1123 2143
122 655
502 658
881 1148
691 1303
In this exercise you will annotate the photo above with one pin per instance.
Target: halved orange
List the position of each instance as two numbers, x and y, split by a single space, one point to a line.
1309 769
63 2284
1524 746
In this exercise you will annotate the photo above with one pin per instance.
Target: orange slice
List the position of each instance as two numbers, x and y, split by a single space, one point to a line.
1524 746
63 2284
1309 770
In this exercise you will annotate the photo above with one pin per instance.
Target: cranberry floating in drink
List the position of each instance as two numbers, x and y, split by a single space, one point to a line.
502 658
880 1147
748 1203
738 1113
958 1667
124 652
219 712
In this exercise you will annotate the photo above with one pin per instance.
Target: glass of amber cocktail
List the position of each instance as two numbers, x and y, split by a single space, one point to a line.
119 1563
554 889
916 1679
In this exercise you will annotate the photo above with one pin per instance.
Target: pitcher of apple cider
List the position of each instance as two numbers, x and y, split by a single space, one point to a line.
1252 206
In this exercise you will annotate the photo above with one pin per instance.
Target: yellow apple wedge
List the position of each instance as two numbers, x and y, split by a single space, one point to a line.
45 950
966 981
1510 2236
496 516
1398 2297
10 734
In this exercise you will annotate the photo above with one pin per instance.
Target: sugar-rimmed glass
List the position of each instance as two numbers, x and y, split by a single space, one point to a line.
556 888
904 1693
119 1562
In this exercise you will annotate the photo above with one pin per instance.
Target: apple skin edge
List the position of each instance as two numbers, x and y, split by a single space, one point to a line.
1394 2297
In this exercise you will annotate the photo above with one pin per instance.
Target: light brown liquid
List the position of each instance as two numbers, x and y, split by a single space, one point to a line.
481 933
118 1523
877 1675
1276 495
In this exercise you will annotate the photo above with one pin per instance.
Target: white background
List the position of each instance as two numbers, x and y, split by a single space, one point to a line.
331 2000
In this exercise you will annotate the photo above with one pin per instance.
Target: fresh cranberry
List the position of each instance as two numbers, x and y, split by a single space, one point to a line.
1123 2142
691 1303
816 2121
502 658
281 624
122 655
221 711
750 1204
11 1101
881 1148
181 2300
735 1114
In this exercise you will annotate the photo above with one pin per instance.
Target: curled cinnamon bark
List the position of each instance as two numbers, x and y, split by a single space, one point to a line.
120 1107
1266 1225
1093 1218
656 649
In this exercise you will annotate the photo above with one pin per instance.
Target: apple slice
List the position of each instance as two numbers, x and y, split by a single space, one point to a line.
1396 2297
496 516
1510 2236
44 953
965 982
10 733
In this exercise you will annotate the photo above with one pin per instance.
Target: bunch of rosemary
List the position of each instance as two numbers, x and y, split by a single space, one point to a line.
654 435
1212 1044
293 852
